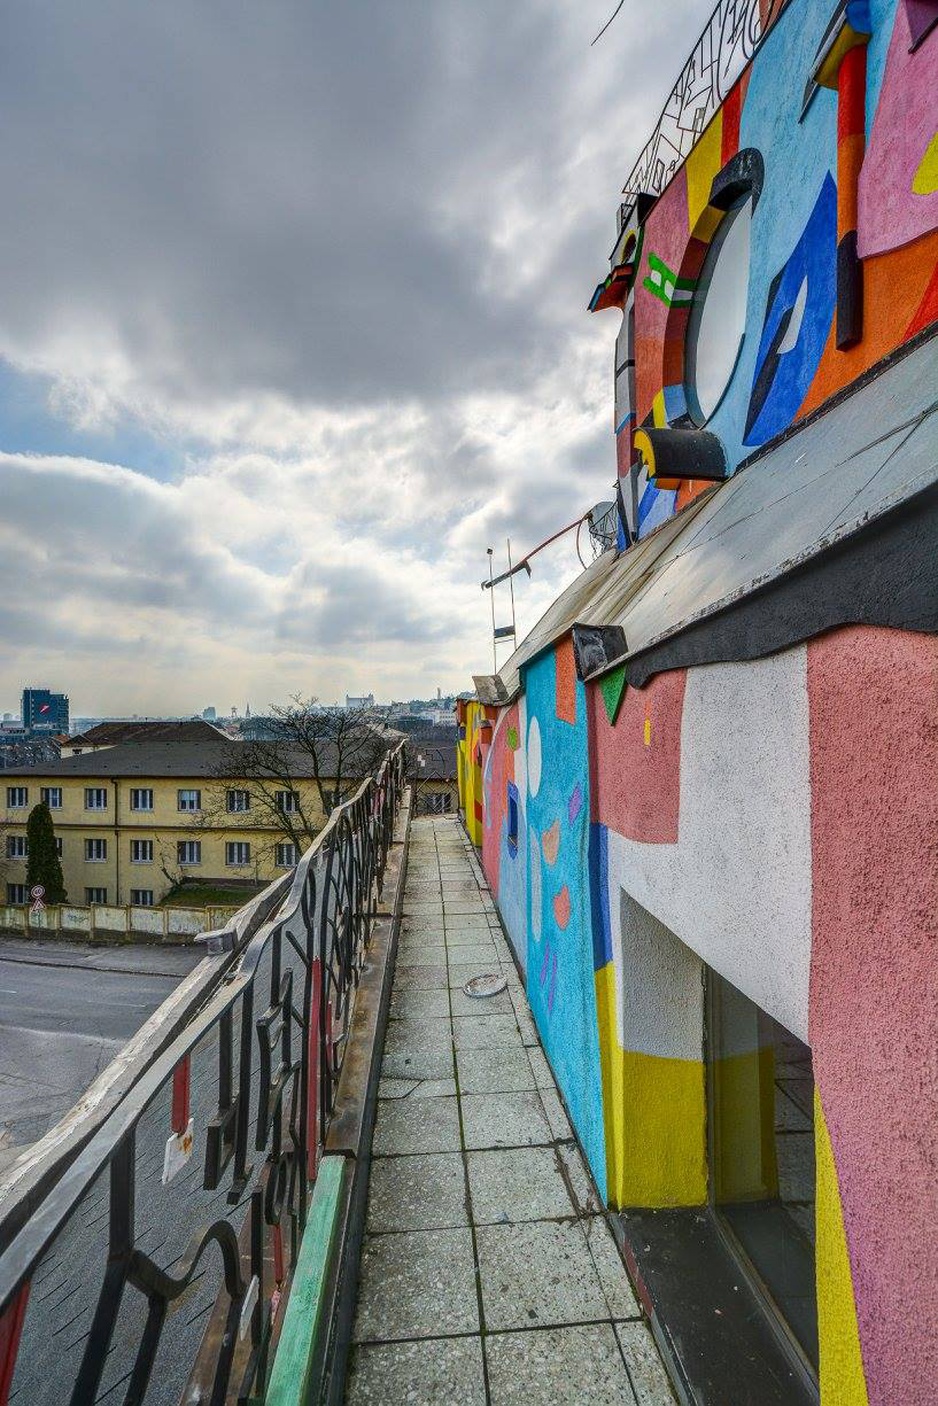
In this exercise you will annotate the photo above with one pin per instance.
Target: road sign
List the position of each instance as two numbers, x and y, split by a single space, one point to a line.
37 893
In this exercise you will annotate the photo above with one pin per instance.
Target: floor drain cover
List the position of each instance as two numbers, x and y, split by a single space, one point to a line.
488 985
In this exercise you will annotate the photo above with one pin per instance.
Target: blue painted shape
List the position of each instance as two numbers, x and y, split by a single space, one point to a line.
599 887
561 986
655 506
785 362
513 812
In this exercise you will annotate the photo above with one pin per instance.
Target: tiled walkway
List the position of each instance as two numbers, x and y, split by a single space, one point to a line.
487 1274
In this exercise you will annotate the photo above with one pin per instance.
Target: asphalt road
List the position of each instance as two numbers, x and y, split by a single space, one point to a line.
65 1011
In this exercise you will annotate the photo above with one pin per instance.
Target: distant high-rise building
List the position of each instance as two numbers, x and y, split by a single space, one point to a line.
44 711
209 714
367 700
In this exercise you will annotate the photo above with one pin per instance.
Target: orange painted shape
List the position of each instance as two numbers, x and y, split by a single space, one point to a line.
927 311
550 843
562 907
849 160
565 665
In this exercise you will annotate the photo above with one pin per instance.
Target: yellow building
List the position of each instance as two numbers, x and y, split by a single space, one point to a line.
135 820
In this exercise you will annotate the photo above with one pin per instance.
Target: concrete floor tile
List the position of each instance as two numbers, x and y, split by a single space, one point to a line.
424 908
417 1088
431 1372
529 1033
585 1196
423 1192
610 1267
419 956
543 1074
416 1284
485 1032
557 1367
482 955
649 1378
417 1064
409 1004
468 922
461 972
431 1033
493 1071
517 1184
428 977
538 1274
417 1125
504 1120
556 1117
499 1004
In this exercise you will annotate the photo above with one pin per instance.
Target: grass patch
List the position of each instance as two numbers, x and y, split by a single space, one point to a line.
210 895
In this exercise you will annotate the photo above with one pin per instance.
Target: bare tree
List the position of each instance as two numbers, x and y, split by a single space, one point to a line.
334 748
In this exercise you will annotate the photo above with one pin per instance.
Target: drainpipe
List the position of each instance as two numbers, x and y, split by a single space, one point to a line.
117 843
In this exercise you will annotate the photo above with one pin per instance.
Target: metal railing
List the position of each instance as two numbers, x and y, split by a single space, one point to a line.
146 1247
733 34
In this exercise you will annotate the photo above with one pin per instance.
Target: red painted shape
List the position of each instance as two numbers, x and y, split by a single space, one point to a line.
565 667
11 1328
180 1110
636 788
313 1074
851 93
732 112
562 908
873 1025
927 311
278 1253
501 771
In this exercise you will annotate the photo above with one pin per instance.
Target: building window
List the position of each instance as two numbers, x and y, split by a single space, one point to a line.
141 798
95 851
141 851
93 895
189 851
95 798
238 800
287 801
16 893
141 898
52 796
761 1095
513 819
17 847
17 797
237 852
189 800
286 856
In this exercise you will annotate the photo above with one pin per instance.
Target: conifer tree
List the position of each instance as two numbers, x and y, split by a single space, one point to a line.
42 865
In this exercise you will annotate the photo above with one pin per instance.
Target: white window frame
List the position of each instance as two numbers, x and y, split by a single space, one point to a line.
136 792
17 893
141 898
281 861
17 847
52 796
237 801
17 797
187 792
288 802
146 857
184 847
94 844
237 854
91 791
90 891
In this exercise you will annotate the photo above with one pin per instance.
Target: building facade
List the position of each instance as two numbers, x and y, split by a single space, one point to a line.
43 711
134 821
704 788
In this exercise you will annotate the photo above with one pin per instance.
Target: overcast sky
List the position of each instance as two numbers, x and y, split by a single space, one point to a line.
292 327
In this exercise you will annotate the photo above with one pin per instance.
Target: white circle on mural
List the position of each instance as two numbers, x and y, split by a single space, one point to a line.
534 757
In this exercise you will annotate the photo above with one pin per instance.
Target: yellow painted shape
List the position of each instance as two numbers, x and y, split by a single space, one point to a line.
658 415
842 1379
702 165
926 177
654 1111
648 732
745 1093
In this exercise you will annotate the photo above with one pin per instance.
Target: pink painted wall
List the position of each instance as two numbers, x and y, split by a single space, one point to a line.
873 702
636 786
501 769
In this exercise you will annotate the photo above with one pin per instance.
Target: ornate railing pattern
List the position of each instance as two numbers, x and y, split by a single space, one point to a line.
153 1259
733 33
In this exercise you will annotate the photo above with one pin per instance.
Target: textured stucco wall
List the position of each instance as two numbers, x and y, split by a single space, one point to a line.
735 887
874 983
505 864
560 985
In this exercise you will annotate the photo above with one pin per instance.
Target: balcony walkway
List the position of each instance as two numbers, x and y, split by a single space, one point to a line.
487 1273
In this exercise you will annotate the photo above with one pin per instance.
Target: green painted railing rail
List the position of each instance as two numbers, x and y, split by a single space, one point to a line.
306 1317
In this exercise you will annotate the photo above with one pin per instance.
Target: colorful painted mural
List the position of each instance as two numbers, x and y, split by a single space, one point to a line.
723 884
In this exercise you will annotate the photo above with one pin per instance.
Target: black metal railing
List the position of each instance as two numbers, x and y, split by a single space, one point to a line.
146 1252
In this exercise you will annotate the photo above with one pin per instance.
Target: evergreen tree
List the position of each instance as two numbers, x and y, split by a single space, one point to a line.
43 866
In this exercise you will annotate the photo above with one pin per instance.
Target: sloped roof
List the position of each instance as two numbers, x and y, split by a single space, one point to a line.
137 732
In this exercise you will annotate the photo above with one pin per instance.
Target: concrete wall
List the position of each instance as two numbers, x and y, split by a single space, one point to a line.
113 922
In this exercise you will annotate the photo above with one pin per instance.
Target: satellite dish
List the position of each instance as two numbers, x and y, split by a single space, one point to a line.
604 525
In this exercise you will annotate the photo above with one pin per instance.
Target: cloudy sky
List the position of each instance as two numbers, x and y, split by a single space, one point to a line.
292 327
